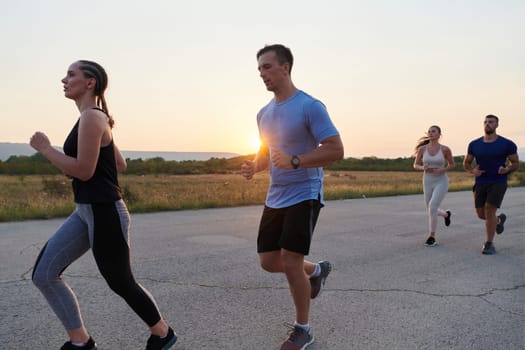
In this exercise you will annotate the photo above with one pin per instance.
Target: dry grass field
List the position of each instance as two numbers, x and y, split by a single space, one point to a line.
40 197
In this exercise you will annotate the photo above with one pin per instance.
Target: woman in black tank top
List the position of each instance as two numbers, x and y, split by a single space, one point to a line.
101 220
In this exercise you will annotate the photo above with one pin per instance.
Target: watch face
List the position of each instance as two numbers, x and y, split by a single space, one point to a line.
295 162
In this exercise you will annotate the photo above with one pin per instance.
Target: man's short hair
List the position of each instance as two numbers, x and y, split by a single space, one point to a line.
283 54
493 117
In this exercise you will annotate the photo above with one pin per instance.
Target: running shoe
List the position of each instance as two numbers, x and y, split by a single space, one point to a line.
299 339
431 242
488 248
447 218
499 226
318 282
90 345
157 343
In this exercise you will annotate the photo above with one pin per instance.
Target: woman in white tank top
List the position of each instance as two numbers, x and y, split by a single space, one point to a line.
434 159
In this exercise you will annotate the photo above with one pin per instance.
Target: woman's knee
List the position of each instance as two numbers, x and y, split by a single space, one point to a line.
41 279
433 209
120 286
38 280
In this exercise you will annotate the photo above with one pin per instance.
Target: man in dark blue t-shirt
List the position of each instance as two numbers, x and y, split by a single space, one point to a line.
495 158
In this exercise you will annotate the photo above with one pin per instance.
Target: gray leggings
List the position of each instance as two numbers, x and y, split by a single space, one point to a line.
435 188
103 227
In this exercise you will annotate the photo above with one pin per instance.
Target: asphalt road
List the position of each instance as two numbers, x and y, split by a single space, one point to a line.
387 290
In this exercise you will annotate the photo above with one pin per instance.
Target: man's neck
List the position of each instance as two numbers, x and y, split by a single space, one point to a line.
490 137
285 93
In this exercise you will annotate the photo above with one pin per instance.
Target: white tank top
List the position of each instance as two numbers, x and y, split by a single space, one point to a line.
434 161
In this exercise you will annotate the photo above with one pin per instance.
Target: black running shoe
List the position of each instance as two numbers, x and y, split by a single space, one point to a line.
488 248
431 242
447 218
499 226
90 345
157 343
316 283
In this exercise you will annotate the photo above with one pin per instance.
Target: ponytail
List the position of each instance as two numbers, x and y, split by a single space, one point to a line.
425 140
94 70
421 142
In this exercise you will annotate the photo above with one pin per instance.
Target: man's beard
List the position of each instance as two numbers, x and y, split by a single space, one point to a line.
489 131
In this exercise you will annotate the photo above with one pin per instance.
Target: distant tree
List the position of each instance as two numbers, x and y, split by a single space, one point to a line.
38 164
28 165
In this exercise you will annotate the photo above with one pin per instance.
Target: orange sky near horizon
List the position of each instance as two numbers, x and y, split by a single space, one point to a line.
183 76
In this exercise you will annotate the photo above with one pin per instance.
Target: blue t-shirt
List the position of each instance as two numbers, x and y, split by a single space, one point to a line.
295 126
490 156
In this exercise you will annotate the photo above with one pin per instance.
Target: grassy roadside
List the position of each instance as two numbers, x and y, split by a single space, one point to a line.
49 196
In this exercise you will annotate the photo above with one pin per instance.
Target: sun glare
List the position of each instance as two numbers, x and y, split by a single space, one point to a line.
255 143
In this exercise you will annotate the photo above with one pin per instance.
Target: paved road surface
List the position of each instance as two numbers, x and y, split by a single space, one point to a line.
387 290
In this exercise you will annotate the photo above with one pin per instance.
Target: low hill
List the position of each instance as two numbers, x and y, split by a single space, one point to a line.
23 149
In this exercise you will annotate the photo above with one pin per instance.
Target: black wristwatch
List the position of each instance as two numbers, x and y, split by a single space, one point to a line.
295 162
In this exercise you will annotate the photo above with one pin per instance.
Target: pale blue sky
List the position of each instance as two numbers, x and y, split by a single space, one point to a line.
183 74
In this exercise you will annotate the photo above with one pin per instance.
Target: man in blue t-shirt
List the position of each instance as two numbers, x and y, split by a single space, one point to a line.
495 157
297 140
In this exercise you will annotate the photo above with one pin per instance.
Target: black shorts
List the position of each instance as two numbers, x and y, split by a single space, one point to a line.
489 193
289 228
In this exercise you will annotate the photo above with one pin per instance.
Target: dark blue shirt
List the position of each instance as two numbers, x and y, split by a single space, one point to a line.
490 156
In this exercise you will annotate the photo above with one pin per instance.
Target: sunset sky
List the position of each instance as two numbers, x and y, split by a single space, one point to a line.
183 74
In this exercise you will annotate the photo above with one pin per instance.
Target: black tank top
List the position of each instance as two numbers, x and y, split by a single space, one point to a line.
103 186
